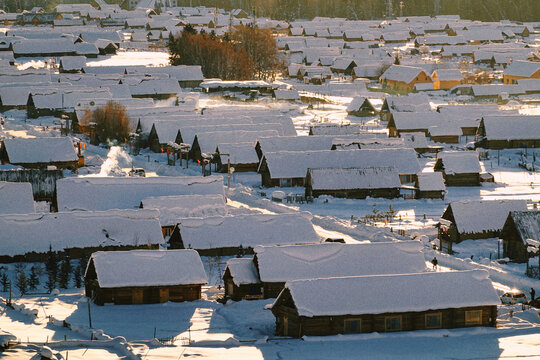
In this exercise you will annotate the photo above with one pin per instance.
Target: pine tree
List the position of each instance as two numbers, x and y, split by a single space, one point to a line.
21 282
4 281
65 273
33 279
51 266
78 273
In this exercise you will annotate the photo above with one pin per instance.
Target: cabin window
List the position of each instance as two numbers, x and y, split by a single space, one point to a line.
285 182
473 317
433 321
352 326
392 323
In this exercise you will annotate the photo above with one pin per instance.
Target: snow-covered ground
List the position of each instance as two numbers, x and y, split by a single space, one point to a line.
244 330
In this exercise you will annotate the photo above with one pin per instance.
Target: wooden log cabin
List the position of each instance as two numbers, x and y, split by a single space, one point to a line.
431 300
520 226
459 168
463 220
144 276
265 275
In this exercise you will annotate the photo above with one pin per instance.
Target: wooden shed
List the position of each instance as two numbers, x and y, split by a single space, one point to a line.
481 219
520 226
430 186
144 276
386 303
459 168
506 132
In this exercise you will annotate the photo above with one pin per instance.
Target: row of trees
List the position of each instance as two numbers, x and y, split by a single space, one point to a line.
60 273
484 10
246 52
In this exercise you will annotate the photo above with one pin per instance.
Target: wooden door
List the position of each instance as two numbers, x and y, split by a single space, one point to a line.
285 326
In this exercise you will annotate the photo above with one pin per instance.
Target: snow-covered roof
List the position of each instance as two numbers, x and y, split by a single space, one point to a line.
155 87
246 230
148 268
354 178
172 208
243 271
79 229
284 263
409 103
432 181
483 215
357 102
102 193
188 132
40 150
16 198
460 162
512 127
392 293
43 46
208 141
335 129
527 224
73 62
239 153
402 73
295 143
294 164
447 74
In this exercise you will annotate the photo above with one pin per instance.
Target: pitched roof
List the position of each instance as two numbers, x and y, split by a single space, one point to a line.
489 215
246 230
148 268
243 271
40 150
284 263
512 127
460 162
102 193
354 178
294 164
392 293
16 198
402 73
433 181
527 224
78 229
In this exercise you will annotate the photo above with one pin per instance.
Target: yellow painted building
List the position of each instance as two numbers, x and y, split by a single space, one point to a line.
520 69
403 78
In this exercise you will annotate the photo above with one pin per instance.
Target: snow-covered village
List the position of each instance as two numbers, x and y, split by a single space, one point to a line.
226 179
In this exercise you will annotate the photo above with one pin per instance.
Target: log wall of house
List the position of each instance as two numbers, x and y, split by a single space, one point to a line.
389 193
331 325
43 181
513 245
470 179
142 295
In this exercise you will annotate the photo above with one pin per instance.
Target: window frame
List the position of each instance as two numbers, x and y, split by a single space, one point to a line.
439 314
285 182
386 318
350 320
468 320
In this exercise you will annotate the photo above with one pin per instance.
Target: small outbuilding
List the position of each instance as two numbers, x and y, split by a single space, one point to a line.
459 168
144 276
430 186
386 303
39 153
519 229
464 220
